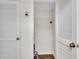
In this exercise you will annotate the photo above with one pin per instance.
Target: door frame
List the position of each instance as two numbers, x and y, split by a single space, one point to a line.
18 29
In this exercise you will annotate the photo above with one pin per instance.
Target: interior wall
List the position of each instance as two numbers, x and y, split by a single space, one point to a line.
44 12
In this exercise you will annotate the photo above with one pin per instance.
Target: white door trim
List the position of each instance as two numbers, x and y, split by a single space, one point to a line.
18 29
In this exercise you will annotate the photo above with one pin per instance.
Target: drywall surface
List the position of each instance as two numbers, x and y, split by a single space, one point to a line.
44 31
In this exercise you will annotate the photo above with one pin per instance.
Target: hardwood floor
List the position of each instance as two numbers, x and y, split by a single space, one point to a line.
46 56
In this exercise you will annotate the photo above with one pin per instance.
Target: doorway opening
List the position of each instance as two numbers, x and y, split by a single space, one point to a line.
44 29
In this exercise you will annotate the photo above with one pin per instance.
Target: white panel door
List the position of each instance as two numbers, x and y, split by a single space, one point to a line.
9 29
66 29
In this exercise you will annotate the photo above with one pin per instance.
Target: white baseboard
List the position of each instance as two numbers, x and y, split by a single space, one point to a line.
42 53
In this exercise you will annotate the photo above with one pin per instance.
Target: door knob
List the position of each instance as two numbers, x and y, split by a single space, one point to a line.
26 14
17 38
72 45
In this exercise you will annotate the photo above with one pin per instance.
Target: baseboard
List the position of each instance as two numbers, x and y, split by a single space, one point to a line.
48 52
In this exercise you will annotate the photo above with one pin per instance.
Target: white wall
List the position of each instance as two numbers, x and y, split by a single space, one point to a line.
44 12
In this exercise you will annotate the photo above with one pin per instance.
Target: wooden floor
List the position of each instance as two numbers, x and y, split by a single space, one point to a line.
47 56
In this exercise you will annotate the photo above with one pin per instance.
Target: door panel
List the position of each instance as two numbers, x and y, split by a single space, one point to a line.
8 49
8 29
65 20
8 15
64 51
